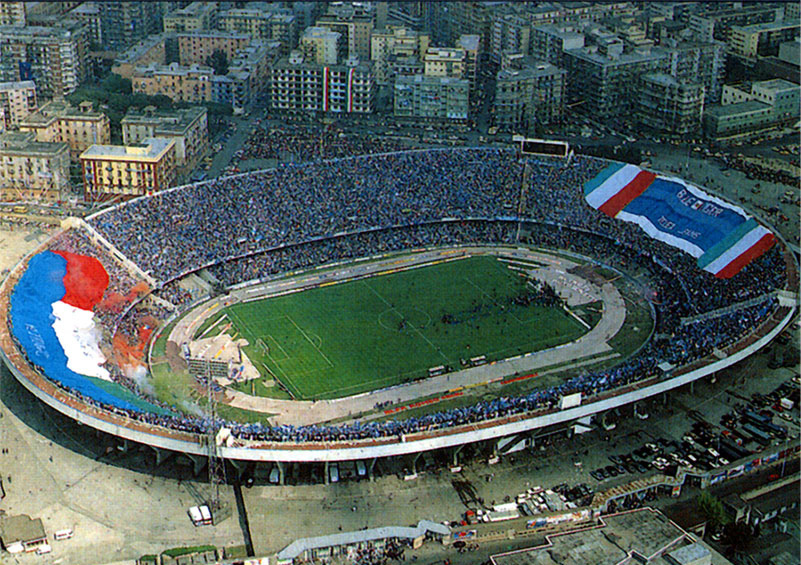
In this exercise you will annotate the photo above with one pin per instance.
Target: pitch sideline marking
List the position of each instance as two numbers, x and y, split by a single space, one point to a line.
327 360
286 380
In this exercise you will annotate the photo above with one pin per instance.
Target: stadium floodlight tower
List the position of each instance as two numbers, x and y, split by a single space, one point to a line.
216 434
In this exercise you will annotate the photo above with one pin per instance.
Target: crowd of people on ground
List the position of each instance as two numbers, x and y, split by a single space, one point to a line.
263 225
298 143
756 171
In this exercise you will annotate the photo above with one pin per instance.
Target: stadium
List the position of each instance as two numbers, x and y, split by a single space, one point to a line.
390 304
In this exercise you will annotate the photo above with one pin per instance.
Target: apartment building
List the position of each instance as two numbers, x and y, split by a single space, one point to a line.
59 121
300 86
528 94
753 107
509 33
392 43
471 45
152 49
669 105
256 60
33 170
179 83
715 25
601 77
17 101
261 22
125 23
445 62
197 16
697 61
432 98
89 14
12 14
762 40
355 28
195 47
54 57
322 45
550 42
128 170
187 127
779 94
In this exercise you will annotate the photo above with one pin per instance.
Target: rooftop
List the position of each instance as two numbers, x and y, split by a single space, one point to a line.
63 31
194 9
296 60
593 55
689 553
172 69
530 69
16 85
86 9
297 547
165 121
315 32
469 42
749 107
421 79
768 26
150 149
58 109
134 52
20 528
776 85
213 33
639 536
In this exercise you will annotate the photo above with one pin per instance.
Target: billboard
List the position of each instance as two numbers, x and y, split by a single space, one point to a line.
544 147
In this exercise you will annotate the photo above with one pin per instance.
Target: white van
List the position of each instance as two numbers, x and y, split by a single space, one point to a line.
63 534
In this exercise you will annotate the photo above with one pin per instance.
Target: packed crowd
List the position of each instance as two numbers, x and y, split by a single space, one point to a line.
296 203
298 143
758 172
364 244
259 226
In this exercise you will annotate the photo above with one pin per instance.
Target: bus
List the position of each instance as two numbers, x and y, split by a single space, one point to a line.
759 436
775 430
756 418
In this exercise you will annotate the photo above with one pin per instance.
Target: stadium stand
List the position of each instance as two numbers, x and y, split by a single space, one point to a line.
256 226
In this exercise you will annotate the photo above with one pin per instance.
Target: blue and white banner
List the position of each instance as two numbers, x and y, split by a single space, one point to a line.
721 236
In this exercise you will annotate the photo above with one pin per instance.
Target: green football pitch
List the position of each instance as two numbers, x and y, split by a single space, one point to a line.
367 334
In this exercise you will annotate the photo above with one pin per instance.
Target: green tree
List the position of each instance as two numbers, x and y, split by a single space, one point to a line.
712 508
218 61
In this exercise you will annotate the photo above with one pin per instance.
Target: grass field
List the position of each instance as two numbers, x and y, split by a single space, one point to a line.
362 335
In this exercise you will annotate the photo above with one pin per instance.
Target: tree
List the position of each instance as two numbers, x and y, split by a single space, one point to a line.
218 61
713 509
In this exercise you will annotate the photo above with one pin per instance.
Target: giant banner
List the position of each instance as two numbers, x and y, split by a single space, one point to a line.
721 236
52 317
